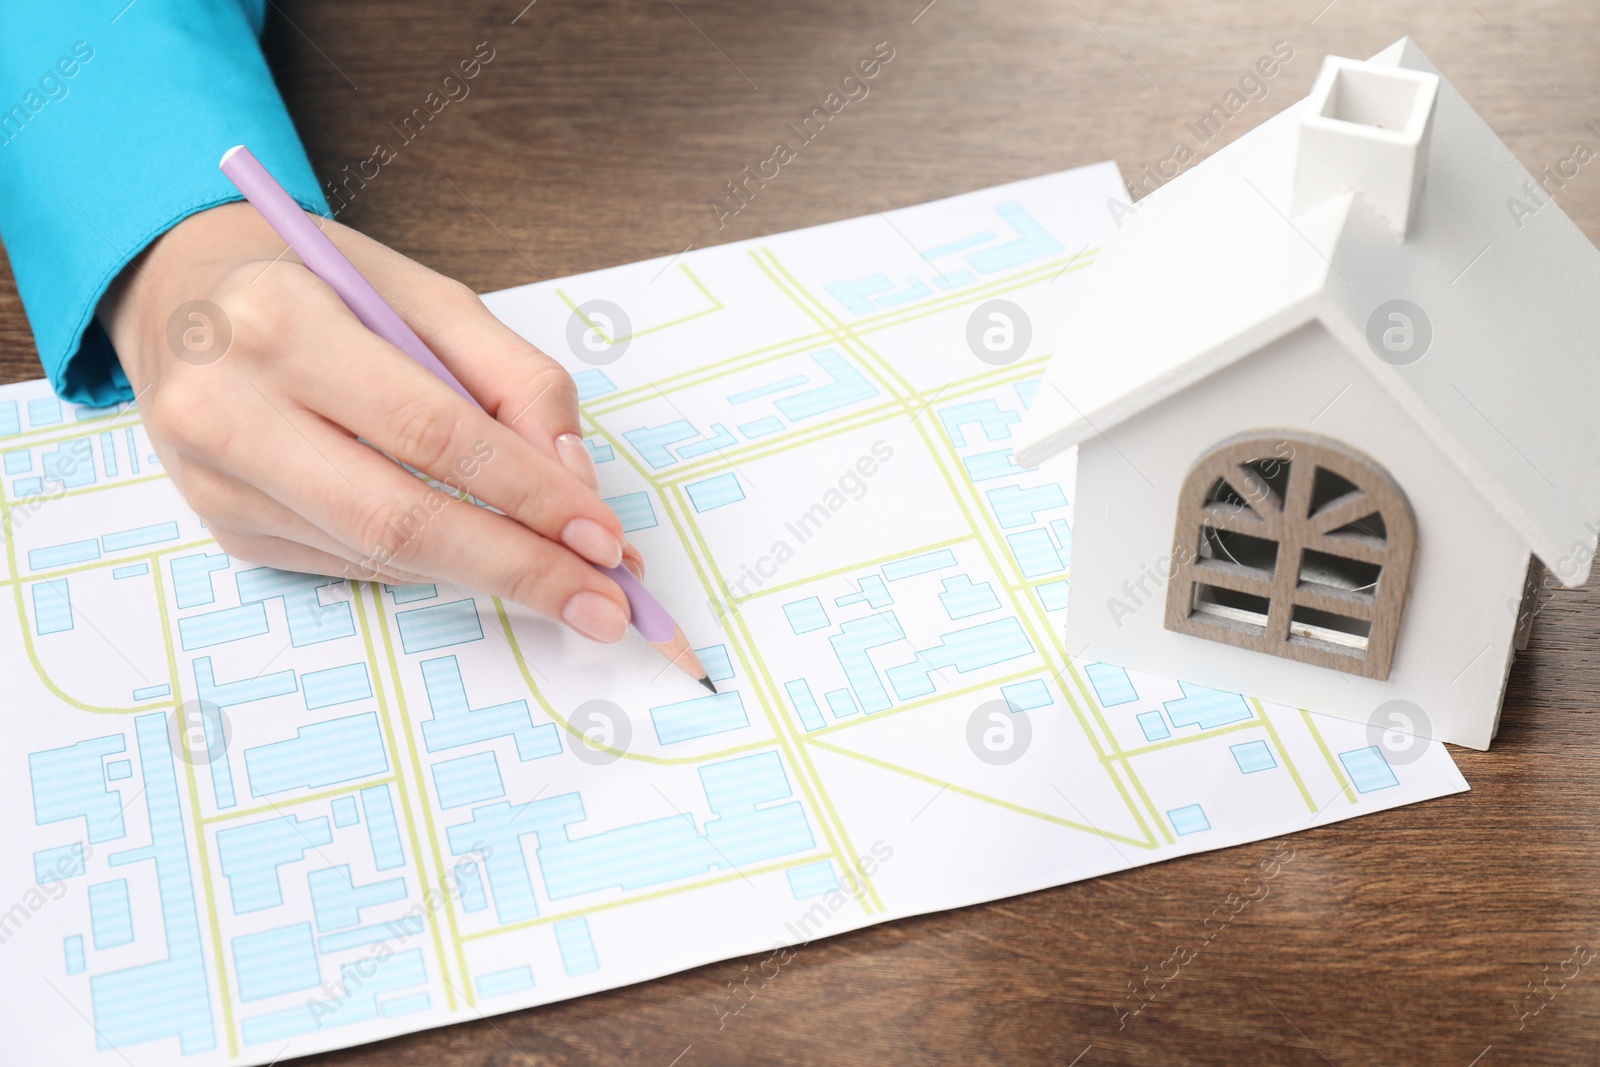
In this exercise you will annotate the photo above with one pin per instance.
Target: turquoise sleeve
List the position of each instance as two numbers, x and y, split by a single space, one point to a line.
113 117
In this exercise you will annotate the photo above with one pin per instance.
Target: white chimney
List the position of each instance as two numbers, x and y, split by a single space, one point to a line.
1366 127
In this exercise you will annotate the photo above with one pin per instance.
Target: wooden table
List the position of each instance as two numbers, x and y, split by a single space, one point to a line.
600 133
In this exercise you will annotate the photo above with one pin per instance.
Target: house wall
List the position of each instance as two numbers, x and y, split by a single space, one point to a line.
1454 645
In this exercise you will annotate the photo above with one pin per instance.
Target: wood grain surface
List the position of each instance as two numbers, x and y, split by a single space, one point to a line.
600 133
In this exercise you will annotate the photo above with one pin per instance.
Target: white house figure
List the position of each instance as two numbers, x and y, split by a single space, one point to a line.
1334 396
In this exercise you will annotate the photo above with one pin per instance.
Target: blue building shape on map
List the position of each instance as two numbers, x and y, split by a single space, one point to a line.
319 755
966 650
644 854
456 723
168 997
1190 819
250 856
1206 708
310 620
364 983
1368 769
1253 756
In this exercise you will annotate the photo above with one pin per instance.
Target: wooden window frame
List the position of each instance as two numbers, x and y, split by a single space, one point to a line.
1279 510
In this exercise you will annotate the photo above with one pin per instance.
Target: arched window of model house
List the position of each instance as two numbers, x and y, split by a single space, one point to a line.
1294 545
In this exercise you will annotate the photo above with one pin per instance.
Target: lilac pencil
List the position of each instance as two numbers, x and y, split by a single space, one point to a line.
324 259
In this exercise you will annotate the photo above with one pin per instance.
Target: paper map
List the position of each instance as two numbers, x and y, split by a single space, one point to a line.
253 815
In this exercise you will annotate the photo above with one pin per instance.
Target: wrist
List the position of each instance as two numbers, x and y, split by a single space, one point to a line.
145 311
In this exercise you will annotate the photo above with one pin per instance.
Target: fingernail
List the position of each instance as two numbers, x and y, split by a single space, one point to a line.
575 457
593 542
595 617
633 559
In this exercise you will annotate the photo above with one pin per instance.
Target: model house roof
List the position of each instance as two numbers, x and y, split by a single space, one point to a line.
1382 185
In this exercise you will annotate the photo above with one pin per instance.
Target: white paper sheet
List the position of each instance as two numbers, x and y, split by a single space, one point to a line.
388 825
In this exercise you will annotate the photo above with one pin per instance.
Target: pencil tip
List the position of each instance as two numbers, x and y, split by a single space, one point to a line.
708 684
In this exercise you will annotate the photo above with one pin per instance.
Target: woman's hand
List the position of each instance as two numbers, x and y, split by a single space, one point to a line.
256 413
